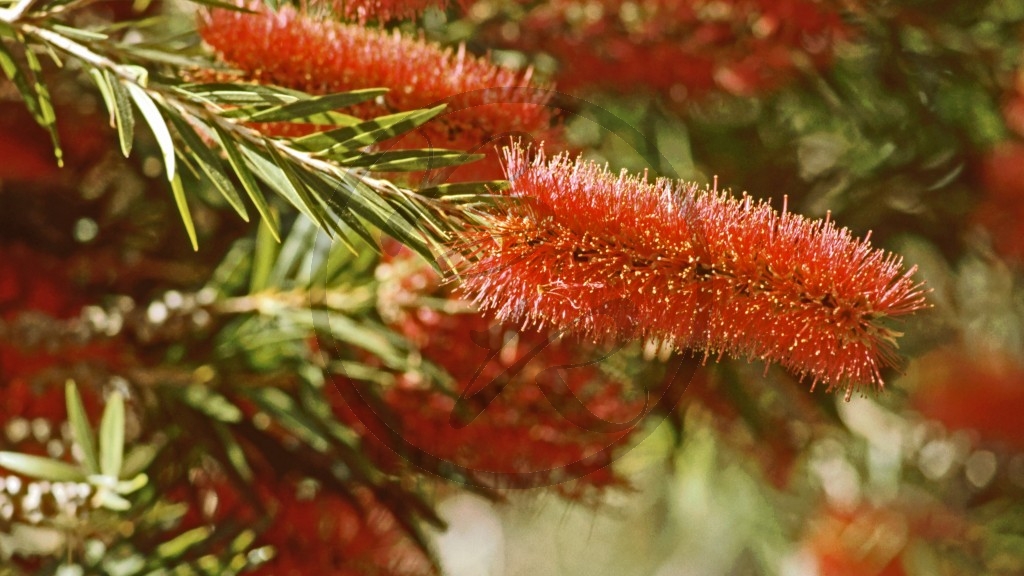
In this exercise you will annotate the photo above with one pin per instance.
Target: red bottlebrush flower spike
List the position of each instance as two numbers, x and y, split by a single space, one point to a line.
297 50
620 257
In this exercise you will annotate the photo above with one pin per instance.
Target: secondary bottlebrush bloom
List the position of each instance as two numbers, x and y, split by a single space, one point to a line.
505 422
297 50
618 256
682 48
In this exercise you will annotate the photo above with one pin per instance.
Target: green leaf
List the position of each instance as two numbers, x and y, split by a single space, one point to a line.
224 5
263 260
319 110
406 160
375 339
39 467
272 175
233 452
112 436
465 188
290 415
137 483
108 97
78 33
315 209
138 459
298 243
230 275
46 111
186 216
252 188
157 125
366 133
241 94
111 501
123 115
179 545
20 81
80 429
327 192
210 165
212 404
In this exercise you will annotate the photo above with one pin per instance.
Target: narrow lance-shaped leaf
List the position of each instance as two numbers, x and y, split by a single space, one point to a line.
210 165
156 124
225 5
252 188
241 94
268 172
366 133
80 428
320 110
39 467
342 215
18 78
406 160
182 204
100 79
181 544
482 188
263 259
313 205
46 111
112 436
123 115
298 243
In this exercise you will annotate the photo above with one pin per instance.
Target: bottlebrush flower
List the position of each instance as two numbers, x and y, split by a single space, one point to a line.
297 50
507 422
681 47
619 257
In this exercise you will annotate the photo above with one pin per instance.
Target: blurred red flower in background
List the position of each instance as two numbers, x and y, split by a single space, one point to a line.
509 420
983 393
312 531
1001 209
682 48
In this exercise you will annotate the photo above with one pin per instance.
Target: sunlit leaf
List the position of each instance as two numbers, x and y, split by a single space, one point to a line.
211 165
112 436
157 124
182 203
80 429
39 467
252 188
366 133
